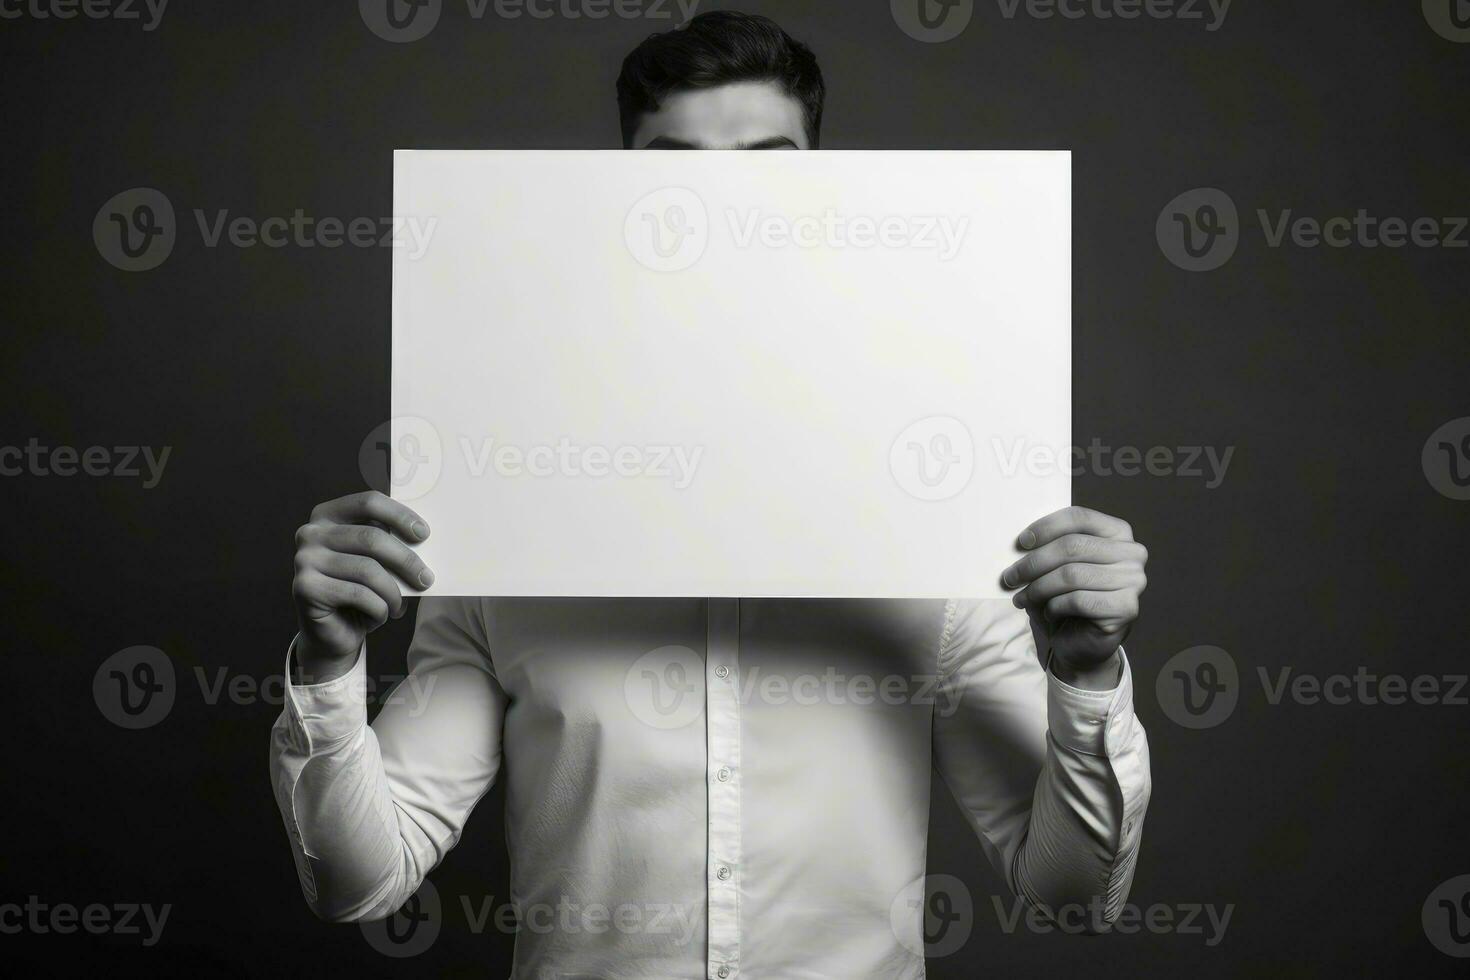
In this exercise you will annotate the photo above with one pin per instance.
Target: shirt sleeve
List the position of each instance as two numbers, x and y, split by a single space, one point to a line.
1054 779
370 810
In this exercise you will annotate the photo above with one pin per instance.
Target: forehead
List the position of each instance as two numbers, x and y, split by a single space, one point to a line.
725 116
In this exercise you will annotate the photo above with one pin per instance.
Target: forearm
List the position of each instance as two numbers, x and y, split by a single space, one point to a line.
1087 813
334 796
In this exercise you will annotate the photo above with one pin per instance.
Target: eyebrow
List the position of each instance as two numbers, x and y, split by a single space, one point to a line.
769 143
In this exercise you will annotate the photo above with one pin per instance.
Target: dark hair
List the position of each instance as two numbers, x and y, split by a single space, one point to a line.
717 48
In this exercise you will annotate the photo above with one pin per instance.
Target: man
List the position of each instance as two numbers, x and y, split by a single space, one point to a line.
716 788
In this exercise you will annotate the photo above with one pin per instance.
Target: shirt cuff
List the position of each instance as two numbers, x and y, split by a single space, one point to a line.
321 714
1088 721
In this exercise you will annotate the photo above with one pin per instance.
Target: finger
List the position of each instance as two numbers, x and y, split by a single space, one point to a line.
370 505
1073 520
364 571
1075 577
1071 548
337 594
1121 604
375 543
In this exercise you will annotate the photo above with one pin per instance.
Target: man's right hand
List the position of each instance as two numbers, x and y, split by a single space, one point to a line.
350 558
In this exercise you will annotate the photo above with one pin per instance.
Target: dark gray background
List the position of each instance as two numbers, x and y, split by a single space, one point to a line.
1325 549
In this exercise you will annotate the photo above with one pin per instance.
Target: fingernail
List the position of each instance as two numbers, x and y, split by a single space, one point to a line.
1028 538
420 530
1008 577
1016 599
426 578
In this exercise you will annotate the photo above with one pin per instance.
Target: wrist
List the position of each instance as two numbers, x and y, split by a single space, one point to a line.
1101 675
312 665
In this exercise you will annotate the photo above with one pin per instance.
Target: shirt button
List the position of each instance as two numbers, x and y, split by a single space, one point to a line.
723 874
722 972
723 775
722 672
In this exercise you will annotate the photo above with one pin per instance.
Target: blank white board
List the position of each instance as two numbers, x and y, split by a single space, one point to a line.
730 373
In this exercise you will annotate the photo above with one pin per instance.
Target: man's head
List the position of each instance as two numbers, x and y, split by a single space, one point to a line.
725 80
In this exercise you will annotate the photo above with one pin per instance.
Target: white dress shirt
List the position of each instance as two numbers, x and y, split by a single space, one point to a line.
744 782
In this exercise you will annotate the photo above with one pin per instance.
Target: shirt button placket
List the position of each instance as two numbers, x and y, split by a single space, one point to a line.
722 769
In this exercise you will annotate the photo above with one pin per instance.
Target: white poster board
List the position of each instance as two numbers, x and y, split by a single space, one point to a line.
730 373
